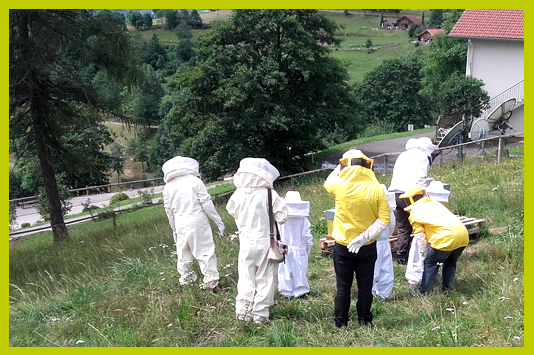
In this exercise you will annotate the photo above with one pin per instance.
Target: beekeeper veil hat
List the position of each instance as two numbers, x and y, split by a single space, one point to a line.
255 172
179 166
355 157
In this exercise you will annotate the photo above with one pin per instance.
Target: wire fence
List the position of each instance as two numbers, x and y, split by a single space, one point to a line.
493 148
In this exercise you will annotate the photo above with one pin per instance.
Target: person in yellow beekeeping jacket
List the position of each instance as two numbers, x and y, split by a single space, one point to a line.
362 213
442 237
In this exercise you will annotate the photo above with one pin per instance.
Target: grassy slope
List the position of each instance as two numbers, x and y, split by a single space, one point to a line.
120 287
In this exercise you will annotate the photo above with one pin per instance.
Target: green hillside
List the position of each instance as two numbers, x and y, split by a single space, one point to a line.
119 286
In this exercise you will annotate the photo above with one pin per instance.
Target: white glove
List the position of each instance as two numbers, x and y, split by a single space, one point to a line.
366 236
421 243
210 210
308 249
335 173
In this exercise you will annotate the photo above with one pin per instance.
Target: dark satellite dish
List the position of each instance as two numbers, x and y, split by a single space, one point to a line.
499 117
453 136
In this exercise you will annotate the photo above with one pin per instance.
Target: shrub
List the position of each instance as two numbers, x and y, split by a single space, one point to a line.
25 225
118 197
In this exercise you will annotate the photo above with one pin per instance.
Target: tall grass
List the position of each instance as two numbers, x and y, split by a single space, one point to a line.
119 287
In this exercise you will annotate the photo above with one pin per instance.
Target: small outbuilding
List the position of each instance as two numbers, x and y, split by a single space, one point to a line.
427 36
406 21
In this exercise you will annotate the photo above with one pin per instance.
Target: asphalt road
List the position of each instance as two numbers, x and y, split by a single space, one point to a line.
373 149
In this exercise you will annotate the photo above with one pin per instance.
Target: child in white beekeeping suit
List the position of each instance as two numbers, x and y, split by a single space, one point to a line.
383 274
249 206
295 233
188 205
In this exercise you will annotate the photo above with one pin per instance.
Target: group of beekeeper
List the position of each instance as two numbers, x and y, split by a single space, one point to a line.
366 215
188 207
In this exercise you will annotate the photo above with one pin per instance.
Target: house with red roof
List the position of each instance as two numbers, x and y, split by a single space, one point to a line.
427 36
496 56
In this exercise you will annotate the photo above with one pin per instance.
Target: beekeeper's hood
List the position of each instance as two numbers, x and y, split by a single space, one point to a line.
355 157
295 205
179 166
255 172
412 196
356 167
425 144
411 144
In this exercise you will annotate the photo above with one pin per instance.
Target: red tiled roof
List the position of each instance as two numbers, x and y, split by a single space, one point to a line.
435 31
490 23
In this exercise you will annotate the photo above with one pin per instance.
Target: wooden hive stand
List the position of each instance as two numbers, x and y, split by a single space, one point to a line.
327 245
473 225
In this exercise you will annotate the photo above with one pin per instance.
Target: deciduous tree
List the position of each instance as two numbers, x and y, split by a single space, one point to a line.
262 87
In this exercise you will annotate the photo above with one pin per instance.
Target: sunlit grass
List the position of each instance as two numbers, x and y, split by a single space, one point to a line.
119 287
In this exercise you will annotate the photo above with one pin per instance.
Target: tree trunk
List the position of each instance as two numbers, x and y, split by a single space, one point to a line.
59 229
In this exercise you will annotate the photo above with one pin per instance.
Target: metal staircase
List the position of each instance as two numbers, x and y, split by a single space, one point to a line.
517 91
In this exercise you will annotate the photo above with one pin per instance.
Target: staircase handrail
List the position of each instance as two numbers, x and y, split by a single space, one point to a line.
516 91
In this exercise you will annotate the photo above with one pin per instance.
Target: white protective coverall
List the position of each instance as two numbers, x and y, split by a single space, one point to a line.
188 205
248 205
411 168
295 233
383 274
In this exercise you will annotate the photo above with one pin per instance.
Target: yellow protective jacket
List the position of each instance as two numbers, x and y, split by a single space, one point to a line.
360 201
443 230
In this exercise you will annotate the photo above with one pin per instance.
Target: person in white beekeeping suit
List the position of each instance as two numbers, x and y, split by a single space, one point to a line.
295 233
248 205
410 170
383 274
188 206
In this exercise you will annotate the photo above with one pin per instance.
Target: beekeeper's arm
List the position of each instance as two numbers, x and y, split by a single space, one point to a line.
374 230
280 210
332 179
420 235
307 234
208 207
170 214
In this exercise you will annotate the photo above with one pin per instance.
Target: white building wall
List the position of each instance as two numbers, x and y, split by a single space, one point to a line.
500 64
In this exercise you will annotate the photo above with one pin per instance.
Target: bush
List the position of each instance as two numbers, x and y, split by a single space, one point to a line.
25 225
118 197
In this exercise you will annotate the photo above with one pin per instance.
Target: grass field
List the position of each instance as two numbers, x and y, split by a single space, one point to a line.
119 287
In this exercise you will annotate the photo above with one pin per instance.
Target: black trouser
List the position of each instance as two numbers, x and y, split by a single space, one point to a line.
404 228
346 264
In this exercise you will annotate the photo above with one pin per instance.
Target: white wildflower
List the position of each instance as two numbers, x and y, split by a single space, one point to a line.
508 317
464 303
54 319
80 342
228 265
169 325
495 188
516 279
502 299
435 328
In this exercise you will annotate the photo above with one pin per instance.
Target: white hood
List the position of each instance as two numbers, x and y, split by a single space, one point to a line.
425 144
411 144
255 172
295 205
179 166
